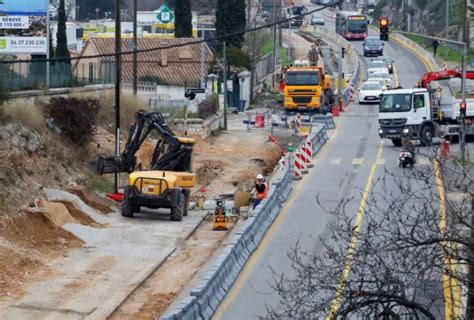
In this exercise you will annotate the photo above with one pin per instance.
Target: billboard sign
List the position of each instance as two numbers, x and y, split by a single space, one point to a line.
23 26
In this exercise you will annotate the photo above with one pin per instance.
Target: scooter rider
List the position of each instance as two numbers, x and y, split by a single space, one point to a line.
407 144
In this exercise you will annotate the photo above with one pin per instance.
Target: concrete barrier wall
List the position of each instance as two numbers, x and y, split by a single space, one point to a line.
211 290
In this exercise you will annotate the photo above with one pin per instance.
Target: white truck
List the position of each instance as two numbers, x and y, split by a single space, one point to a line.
423 114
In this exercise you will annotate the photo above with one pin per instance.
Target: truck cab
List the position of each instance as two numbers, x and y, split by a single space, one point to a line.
306 88
422 112
406 109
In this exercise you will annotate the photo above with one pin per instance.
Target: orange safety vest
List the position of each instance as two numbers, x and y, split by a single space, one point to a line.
263 194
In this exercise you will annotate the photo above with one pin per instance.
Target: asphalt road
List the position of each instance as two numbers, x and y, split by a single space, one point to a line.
354 157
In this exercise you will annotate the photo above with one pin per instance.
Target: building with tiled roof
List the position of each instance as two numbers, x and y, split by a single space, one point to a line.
176 66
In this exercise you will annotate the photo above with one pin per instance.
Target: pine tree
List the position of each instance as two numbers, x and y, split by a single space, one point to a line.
230 18
183 19
62 50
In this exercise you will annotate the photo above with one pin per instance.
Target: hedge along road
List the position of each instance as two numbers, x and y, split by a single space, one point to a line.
349 163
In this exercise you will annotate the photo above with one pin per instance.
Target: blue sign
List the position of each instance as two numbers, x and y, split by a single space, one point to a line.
472 62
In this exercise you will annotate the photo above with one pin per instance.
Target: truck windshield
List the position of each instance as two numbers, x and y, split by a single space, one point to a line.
308 78
395 103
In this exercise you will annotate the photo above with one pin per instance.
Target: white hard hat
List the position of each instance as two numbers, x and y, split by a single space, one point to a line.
259 177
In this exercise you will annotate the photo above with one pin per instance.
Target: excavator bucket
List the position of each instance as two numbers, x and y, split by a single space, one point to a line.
112 164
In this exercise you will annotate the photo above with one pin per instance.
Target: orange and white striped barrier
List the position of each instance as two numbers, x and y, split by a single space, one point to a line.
299 167
352 93
307 153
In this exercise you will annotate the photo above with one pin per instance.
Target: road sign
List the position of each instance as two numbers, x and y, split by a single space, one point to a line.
165 15
472 62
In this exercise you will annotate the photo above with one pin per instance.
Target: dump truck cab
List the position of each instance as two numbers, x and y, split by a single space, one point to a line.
306 88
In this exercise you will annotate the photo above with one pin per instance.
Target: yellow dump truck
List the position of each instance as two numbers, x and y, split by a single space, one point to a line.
306 89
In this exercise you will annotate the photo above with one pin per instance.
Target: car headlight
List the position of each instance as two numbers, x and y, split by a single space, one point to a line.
366 48
380 131
406 130
380 48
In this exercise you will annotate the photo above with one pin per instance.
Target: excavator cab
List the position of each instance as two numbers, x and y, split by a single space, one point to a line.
168 182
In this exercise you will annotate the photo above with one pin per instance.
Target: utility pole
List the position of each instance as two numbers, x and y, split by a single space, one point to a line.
463 96
446 32
135 48
118 73
274 43
339 76
225 85
405 15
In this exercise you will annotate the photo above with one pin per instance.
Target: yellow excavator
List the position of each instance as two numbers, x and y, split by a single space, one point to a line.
169 181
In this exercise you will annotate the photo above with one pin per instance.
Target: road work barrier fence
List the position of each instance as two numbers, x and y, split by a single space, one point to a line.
211 290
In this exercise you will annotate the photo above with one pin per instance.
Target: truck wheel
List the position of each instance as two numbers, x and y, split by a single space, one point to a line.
426 135
186 206
397 142
127 209
177 212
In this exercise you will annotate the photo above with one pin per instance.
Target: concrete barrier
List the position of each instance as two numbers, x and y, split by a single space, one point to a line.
205 298
421 53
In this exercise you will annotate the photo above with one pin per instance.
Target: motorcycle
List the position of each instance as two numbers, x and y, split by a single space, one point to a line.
406 159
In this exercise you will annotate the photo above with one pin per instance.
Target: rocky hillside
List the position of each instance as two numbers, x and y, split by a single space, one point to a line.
425 17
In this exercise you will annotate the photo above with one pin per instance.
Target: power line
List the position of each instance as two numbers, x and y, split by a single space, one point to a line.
179 45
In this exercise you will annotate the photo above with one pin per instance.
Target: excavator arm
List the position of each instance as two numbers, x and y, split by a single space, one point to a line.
170 153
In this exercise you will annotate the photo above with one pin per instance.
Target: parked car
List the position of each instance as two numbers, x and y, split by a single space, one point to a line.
373 46
317 20
370 92
383 75
388 62
377 66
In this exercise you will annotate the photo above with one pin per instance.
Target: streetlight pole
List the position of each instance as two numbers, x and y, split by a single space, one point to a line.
118 58
135 48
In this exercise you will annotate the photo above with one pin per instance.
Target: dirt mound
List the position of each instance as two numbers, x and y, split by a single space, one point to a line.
92 199
35 230
209 171
270 155
58 213
241 199
80 216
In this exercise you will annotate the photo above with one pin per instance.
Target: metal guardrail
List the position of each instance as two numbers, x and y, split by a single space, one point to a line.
205 298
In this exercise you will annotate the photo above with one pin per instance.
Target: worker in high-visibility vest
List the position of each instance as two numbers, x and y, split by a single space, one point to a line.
262 190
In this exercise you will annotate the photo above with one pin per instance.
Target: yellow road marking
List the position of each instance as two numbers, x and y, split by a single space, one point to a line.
395 75
451 288
352 245
357 161
250 265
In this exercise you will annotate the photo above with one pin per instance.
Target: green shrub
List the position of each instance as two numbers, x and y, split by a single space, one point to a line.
77 118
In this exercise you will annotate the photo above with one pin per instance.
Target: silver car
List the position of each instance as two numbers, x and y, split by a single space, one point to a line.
317 20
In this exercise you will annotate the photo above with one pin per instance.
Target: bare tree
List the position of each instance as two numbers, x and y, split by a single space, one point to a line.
404 260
